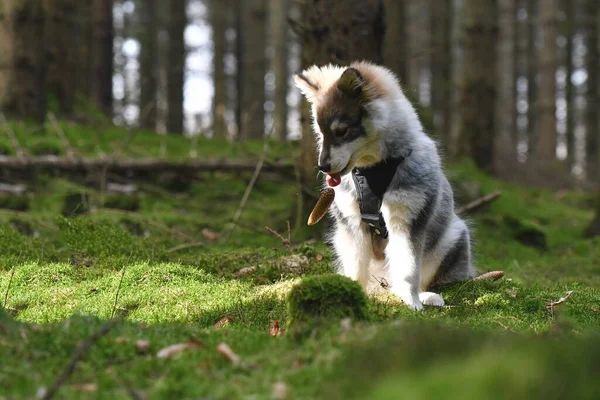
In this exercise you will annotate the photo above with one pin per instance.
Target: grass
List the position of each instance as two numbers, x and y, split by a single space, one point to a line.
63 277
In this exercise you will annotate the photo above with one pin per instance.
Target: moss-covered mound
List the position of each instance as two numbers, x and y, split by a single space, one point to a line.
324 298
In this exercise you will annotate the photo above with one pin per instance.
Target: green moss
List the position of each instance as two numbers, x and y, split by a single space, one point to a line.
44 147
6 148
323 299
16 203
122 202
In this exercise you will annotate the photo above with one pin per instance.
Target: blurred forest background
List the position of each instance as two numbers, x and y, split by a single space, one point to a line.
511 84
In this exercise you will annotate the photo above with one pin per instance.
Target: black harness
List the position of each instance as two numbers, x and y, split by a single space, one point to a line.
371 183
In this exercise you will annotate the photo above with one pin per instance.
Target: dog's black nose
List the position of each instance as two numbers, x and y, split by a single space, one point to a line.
325 168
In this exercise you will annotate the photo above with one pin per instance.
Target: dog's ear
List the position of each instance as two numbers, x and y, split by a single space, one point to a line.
307 87
352 83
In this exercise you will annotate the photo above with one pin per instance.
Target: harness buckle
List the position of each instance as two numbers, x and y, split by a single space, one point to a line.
376 223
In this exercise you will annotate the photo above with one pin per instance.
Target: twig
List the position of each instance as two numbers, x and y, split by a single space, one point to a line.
246 195
81 351
477 203
13 138
112 314
286 242
61 135
12 273
185 246
553 304
506 328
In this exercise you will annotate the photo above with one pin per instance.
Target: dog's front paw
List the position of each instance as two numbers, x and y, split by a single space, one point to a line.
431 299
412 301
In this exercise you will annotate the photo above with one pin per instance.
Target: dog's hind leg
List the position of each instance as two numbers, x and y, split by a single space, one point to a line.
456 265
354 251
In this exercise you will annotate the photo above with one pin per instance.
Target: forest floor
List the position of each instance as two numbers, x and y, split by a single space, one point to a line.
163 262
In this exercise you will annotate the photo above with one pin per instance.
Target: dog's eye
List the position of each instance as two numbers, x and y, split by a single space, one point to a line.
340 132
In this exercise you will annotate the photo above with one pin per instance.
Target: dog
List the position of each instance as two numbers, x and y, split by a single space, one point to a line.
393 212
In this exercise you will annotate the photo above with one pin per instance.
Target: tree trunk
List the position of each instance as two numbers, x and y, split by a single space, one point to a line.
325 38
418 46
395 47
253 68
441 72
279 11
532 72
148 36
22 56
592 130
594 228
64 26
545 145
218 20
457 78
102 56
506 106
569 28
176 66
479 36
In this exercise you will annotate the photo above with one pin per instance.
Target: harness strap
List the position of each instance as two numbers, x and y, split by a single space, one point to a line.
371 184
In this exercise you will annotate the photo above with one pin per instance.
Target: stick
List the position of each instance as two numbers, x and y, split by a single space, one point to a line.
13 138
81 351
286 242
61 135
249 188
475 204
185 246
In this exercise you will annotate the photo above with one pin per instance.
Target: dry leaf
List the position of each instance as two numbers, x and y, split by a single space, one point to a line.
276 330
594 309
85 387
281 391
141 346
210 235
223 322
174 349
319 257
226 352
552 304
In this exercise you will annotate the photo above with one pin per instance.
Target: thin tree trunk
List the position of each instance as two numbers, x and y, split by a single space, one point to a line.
457 78
592 130
569 9
279 11
395 47
148 65
102 55
176 66
253 68
441 67
545 145
479 36
218 12
532 71
419 45
23 59
506 106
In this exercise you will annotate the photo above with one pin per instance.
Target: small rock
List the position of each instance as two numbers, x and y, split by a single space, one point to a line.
244 271
142 346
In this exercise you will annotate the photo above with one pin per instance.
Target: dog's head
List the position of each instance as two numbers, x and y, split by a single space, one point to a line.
342 100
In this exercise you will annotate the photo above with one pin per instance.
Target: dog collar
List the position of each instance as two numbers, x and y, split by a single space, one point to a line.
371 184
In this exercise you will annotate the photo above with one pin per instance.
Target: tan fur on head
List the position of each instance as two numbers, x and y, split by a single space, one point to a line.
377 82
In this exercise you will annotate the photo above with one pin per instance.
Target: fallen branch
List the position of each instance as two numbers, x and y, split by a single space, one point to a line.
478 203
81 351
52 163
